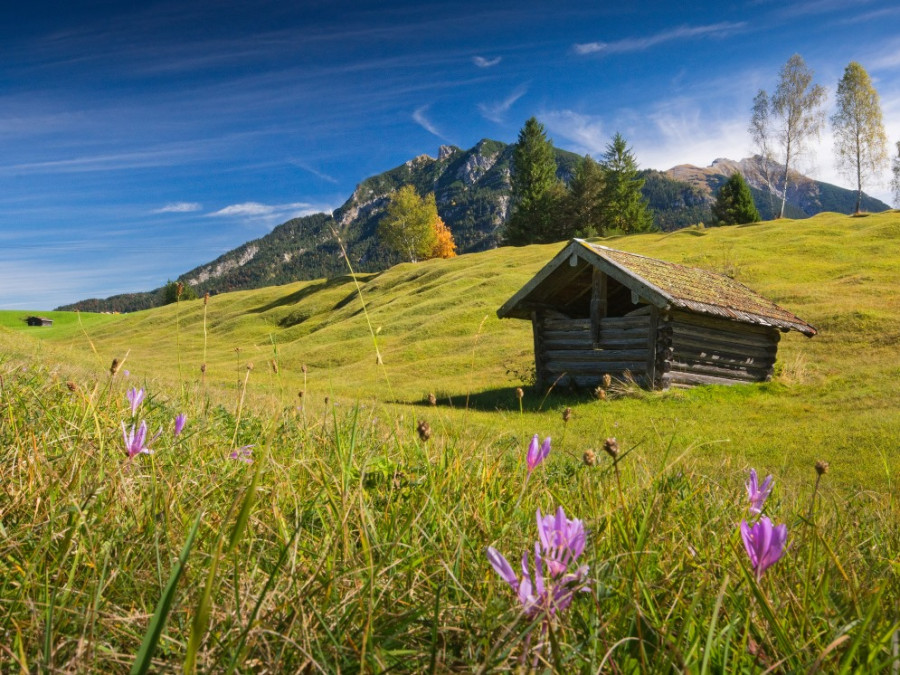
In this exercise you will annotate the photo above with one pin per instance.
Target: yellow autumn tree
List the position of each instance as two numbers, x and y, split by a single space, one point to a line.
444 246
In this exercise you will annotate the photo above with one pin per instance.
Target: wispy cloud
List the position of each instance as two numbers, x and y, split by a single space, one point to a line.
496 111
585 131
483 62
420 119
270 214
640 44
315 172
179 207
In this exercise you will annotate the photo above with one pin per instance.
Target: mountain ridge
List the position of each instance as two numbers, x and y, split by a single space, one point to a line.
472 191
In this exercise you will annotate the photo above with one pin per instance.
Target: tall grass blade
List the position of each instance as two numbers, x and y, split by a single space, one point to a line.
151 638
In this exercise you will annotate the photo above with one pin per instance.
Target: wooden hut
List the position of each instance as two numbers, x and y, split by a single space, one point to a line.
596 311
38 321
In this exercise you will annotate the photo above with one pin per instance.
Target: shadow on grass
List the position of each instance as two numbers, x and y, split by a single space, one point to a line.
505 399
312 289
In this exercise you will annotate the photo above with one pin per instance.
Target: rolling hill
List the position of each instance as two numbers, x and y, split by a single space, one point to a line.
472 191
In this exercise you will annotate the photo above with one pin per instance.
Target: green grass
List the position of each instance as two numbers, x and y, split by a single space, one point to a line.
351 545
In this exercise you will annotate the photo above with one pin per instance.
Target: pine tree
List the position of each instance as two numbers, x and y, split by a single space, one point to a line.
859 139
584 203
624 207
734 203
535 188
408 227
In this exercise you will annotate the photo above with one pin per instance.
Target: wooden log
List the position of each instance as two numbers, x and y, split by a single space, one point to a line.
635 343
697 345
651 347
573 343
567 335
693 379
707 335
624 322
641 311
598 355
610 333
746 374
724 359
728 325
599 302
601 368
567 324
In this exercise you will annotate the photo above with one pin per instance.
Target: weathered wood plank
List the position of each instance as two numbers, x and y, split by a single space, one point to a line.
724 360
709 334
567 324
651 345
747 374
721 324
611 367
639 342
598 355
599 302
697 345
694 379
567 344
624 322
640 311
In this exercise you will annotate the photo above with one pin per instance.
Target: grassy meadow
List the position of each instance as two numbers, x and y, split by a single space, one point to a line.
351 543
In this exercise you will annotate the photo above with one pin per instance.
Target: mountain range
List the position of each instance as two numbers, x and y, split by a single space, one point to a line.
472 191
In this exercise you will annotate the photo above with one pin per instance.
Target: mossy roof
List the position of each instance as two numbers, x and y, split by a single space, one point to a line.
664 284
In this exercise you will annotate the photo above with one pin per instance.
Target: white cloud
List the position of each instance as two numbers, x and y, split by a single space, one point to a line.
585 131
640 44
180 207
482 62
496 112
420 119
270 214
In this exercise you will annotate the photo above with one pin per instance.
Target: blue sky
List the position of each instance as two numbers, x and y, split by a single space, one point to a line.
142 139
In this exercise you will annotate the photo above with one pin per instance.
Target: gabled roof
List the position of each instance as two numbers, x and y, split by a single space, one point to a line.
663 284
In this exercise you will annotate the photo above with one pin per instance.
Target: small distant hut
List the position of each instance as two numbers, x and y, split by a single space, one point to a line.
596 311
38 321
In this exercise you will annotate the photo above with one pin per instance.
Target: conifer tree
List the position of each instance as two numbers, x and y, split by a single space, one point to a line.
584 203
859 139
536 190
624 207
734 203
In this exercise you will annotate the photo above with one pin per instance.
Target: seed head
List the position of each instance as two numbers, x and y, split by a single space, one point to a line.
567 415
432 399
300 394
520 394
303 369
611 447
250 365
202 367
206 298
72 386
179 289
424 430
274 366
326 400
114 368
589 458
600 393
821 467
607 381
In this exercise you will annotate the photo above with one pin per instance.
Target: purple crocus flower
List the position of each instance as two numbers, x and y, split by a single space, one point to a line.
758 493
243 454
537 454
550 587
562 540
180 419
134 440
135 396
764 543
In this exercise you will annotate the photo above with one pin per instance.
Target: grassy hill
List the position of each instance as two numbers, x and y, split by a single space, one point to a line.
350 543
437 332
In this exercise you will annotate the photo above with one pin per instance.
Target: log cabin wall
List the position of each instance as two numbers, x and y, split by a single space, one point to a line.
567 353
693 349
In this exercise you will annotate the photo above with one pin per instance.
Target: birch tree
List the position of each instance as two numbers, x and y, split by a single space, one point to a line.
860 142
792 118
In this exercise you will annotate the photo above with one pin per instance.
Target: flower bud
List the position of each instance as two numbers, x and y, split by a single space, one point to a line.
611 447
424 430
589 458
821 467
